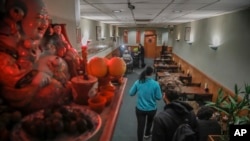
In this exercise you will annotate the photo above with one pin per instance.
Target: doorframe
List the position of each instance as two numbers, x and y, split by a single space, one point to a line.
146 48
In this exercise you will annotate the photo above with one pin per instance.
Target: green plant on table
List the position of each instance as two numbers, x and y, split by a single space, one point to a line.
230 106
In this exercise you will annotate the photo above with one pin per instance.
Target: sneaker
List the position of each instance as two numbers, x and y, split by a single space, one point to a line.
147 136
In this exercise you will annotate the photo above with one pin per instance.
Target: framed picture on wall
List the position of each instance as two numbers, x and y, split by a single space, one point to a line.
98 32
125 36
187 33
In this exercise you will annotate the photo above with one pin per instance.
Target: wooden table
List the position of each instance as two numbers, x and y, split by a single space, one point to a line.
162 60
167 74
109 115
166 55
199 93
168 67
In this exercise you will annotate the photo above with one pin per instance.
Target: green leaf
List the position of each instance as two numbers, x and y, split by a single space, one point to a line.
220 96
231 105
241 120
220 109
236 90
247 88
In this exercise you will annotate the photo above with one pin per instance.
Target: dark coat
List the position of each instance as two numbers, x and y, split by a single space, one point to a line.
141 50
208 127
164 126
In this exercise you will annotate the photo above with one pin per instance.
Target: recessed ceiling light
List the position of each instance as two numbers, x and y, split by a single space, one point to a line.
117 11
177 11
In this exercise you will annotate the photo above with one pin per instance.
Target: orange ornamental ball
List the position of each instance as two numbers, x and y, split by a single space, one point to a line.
106 60
97 67
116 67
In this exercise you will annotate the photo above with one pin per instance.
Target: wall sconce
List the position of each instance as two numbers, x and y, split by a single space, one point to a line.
103 38
190 42
216 41
214 47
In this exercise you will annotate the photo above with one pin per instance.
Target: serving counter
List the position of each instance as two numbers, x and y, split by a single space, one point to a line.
110 114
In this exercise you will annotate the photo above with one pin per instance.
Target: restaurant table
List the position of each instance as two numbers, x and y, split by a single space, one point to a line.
168 67
199 93
167 74
162 60
166 55
109 115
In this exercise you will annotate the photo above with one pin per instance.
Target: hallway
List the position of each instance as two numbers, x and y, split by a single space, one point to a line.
126 125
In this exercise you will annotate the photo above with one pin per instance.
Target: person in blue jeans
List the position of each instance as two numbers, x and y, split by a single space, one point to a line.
148 91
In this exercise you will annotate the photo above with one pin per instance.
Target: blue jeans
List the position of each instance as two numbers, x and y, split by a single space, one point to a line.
141 122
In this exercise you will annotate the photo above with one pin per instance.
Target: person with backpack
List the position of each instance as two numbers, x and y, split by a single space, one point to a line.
177 122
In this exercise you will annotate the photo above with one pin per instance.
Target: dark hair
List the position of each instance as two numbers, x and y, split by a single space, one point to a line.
148 71
48 32
171 94
205 113
16 3
55 24
140 45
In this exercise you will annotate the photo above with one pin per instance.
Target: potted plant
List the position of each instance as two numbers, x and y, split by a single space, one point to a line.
232 109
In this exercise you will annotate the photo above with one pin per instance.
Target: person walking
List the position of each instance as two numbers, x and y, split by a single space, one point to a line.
141 55
167 121
148 91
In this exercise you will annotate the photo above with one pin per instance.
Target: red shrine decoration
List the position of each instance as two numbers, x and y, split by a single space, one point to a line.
85 60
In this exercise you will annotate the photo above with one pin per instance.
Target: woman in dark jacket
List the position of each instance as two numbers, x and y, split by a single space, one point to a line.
166 122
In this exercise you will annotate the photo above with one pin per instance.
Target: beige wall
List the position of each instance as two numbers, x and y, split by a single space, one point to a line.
69 13
66 12
162 35
229 64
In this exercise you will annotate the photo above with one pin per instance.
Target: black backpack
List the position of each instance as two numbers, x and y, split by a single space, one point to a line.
184 131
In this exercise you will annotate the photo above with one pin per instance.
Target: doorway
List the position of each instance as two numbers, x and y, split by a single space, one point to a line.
150 43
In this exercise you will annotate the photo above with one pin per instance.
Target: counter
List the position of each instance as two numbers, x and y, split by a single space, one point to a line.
109 115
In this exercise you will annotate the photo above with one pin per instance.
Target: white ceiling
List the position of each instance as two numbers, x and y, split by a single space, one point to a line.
157 13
